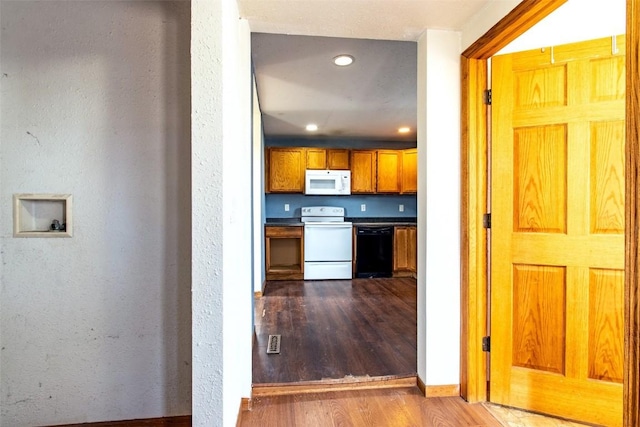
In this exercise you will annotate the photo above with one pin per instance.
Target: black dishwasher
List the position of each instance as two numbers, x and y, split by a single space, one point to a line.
374 251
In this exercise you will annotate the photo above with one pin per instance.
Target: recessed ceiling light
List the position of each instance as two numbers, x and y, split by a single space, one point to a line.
311 127
404 129
343 60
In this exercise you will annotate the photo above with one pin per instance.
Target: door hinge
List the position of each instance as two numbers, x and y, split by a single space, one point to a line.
488 97
486 343
486 220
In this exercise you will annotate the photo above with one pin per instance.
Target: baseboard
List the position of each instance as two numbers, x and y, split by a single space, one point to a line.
421 386
343 384
180 421
245 405
450 390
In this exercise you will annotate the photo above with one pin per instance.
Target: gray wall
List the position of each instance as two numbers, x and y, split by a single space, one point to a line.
376 205
96 103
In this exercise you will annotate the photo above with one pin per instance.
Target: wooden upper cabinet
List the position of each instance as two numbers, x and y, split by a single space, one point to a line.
320 158
372 171
363 171
285 170
316 158
389 171
337 159
409 183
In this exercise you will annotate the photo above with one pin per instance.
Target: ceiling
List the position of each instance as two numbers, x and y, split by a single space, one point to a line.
293 44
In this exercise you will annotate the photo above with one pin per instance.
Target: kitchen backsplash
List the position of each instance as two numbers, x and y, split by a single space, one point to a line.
376 205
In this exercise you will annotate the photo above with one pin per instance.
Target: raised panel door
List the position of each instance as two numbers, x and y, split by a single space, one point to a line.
409 183
557 231
363 171
412 254
404 250
388 171
337 159
316 158
285 171
400 249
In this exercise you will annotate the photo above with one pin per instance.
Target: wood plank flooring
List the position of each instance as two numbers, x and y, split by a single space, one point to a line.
389 407
336 329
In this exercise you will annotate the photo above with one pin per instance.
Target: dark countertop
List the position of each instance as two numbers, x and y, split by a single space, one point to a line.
382 220
290 222
365 221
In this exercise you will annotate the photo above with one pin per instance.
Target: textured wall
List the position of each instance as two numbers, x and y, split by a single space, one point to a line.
95 102
439 207
221 201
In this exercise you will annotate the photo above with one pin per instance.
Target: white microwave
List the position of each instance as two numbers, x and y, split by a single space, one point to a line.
327 182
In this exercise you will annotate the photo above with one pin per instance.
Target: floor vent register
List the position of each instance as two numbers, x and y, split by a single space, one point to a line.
273 344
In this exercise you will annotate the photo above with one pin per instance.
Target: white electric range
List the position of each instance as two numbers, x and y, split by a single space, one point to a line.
328 246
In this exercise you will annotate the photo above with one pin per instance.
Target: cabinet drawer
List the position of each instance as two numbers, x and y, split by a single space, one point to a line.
283 231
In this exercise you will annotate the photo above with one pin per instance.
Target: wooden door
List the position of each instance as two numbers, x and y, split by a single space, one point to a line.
557 233
363 171
316 158
413 249
404 250
389 170
400 249
409 182
285 170
338 159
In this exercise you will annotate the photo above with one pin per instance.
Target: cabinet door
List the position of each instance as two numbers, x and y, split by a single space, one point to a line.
285 172
363 171
404 250
316 158
389 169
409 183
337 159
400 249
412 253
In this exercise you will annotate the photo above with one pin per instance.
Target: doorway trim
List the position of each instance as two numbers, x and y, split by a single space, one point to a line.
474 158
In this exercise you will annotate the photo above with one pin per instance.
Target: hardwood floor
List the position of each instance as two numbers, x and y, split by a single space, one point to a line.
389 407
336 329
362 330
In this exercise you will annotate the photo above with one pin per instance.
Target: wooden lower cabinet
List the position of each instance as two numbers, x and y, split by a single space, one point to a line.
404 251
284 252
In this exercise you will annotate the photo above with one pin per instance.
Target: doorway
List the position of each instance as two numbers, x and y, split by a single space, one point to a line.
474 377
384 67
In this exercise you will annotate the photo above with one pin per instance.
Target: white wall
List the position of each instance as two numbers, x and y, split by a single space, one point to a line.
576 20
221 203
484 20
439 207
95 102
